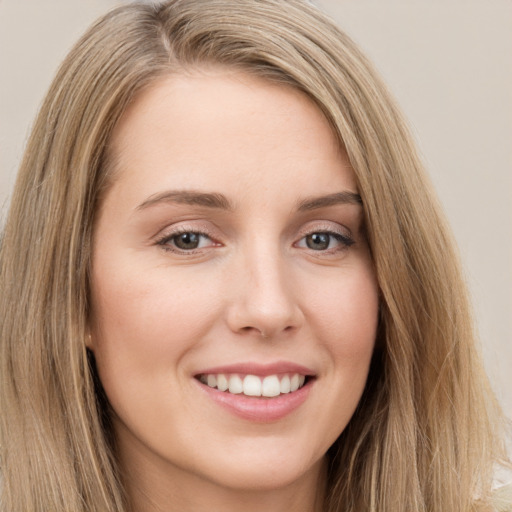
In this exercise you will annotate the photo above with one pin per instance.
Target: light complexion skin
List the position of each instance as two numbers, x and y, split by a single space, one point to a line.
229 252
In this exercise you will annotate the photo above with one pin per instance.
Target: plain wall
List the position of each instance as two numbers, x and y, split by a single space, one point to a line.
447 62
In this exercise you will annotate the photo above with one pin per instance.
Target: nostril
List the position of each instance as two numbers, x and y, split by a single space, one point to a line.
254 330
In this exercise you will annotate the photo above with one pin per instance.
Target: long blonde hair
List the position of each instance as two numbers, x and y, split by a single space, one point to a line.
427 430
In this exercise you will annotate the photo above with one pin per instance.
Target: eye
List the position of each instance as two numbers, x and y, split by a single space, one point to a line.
185 241
325 241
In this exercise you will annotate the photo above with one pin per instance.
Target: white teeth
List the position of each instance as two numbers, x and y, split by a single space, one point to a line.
252 385
285 384
270 386
235 384
222 382
294 382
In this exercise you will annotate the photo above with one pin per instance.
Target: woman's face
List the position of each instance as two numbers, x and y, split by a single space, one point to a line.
229 253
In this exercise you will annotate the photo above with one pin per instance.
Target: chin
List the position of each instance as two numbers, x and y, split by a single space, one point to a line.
256 472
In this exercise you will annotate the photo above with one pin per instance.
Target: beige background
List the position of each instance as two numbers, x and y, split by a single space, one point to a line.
448 63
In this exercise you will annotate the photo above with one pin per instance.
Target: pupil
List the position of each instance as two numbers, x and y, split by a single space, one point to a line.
187 241
318 241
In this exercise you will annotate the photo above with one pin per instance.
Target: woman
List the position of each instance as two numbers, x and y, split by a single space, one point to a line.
222 287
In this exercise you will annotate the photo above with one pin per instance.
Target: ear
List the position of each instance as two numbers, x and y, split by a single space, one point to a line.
88 341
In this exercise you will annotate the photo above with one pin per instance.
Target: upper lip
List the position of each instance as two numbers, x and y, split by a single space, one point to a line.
262 370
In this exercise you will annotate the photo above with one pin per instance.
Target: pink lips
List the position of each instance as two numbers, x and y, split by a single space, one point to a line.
260 369
259 409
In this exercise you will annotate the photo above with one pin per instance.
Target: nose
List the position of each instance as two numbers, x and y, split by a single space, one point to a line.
266 302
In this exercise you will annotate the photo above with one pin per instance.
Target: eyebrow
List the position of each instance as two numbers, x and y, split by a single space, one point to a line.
190 197
219 201
313 203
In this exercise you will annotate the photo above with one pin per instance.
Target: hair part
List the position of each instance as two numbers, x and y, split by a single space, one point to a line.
425 435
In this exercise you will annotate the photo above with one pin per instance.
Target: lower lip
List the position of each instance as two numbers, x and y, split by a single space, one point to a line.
259 409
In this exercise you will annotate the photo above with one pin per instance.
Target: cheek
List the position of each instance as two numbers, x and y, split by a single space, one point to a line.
345 317
150 304
343 314
144 322
346 311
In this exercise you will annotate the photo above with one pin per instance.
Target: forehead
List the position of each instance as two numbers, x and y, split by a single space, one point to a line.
218 126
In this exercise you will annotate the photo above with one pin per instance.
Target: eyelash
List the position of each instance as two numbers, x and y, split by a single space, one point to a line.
345 240
164 240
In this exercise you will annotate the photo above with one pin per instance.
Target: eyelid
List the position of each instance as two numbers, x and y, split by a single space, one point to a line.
325 227
334 229
341 233
169 233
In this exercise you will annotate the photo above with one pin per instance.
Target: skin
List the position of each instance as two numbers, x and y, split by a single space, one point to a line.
162 314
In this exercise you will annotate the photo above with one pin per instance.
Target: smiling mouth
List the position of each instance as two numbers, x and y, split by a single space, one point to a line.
249 385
